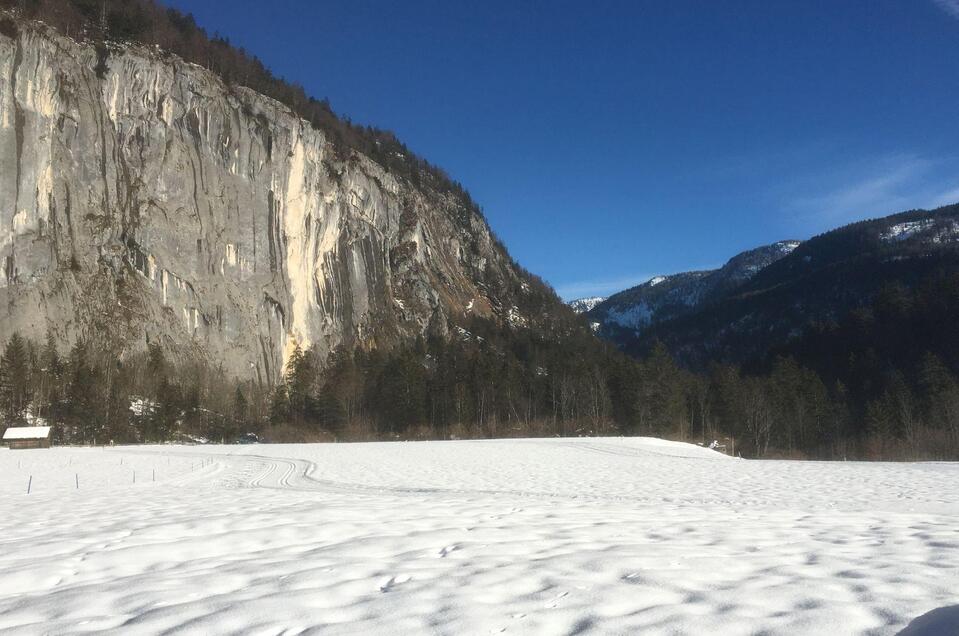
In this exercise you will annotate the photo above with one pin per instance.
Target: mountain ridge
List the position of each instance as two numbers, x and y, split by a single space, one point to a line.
668 296
771 302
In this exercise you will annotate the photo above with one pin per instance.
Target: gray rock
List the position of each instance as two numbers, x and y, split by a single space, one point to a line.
156 203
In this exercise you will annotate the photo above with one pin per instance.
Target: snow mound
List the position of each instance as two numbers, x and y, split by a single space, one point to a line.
944 620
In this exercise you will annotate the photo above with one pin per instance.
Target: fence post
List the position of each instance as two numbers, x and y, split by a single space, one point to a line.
77 475
29 484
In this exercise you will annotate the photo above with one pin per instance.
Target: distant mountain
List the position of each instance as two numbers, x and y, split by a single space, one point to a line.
582 305
762 300
625 315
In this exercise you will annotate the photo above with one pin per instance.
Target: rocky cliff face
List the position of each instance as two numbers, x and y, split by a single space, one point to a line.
142 199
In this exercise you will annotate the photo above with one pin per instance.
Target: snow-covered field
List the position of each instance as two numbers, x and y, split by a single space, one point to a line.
472 537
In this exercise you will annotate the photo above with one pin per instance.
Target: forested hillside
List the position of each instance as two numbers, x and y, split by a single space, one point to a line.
858 388
847 345
821 280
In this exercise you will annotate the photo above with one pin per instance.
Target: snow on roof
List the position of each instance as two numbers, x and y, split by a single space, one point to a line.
27 432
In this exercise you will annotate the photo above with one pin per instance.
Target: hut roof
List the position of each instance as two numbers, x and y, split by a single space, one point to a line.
27 432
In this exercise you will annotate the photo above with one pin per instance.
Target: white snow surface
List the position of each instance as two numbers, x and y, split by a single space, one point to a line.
26 432
556 536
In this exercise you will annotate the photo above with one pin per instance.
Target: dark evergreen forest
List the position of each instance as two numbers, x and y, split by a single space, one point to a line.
879 384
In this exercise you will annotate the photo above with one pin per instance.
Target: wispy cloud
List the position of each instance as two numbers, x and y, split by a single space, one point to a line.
600 287
883 185
871 188
949 6
819 189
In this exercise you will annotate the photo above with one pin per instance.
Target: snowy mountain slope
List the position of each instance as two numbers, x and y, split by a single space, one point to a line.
820 281
582 535
764 298
582 305
666 297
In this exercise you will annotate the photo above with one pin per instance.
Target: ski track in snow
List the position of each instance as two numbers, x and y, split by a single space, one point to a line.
559 536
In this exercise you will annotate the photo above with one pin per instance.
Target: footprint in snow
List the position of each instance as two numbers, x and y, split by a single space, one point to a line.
447 550
394 581
555 602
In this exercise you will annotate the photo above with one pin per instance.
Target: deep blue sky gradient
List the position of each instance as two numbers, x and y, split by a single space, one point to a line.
611 141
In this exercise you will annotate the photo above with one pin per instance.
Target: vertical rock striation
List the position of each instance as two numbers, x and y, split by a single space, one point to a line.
143 199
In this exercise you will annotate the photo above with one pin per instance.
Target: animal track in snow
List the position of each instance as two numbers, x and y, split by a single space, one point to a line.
393 581
448 549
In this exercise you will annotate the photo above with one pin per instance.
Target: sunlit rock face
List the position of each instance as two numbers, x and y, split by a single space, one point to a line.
152 202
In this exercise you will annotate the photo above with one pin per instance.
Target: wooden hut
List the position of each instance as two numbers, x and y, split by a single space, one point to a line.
27 437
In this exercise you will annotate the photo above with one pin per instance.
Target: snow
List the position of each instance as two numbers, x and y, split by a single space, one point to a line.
140 406
27 432
590 535
631 316
515 318
902 231
582 305
656 280
945 233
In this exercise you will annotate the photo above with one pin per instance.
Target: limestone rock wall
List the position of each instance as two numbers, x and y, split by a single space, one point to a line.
153 202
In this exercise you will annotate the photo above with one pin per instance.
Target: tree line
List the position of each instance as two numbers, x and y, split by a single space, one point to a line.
484 381
95 397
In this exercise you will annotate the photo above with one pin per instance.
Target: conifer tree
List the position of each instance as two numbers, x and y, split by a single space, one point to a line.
15 380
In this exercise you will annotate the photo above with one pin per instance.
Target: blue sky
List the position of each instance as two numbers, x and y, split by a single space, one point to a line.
611 141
